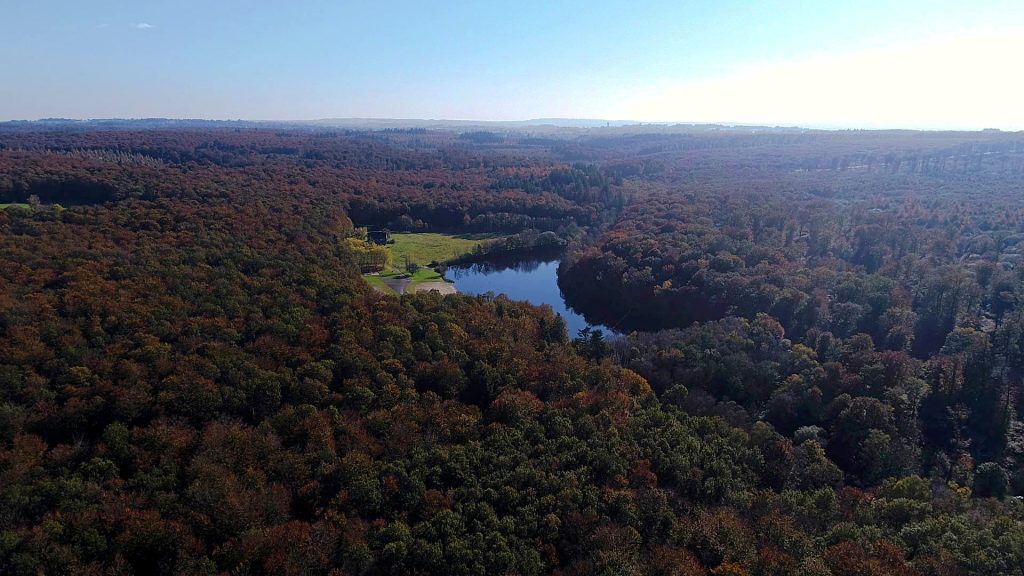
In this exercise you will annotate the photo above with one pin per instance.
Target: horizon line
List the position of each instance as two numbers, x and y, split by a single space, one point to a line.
527 122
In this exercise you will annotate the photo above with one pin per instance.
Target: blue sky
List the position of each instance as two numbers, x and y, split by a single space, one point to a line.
866 63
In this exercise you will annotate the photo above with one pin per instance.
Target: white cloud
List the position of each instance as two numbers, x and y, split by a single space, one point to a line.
964 82
143 26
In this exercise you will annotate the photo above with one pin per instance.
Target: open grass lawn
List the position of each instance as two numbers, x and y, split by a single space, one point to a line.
378 283
426 247
423 275
2 206
422 249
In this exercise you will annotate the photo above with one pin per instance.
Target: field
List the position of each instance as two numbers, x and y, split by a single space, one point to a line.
395 282
377 283
424 248
421 249
4 206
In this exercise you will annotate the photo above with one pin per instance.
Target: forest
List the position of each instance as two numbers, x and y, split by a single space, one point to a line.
821 370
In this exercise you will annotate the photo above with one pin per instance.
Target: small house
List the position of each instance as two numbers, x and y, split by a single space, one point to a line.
379 236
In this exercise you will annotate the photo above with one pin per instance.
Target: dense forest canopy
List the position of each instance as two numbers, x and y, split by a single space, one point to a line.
822 376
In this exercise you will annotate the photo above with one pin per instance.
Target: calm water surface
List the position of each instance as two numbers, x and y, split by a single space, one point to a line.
534 281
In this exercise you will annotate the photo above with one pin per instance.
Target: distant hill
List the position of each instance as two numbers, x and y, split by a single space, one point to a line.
380 123
548 126
335 123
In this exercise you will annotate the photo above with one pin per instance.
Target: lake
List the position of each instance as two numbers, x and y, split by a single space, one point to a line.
535 281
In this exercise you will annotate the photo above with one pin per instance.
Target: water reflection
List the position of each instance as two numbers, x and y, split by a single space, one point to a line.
534 280
501 263
523 267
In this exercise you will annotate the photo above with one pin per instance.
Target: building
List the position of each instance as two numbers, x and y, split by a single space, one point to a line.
379 236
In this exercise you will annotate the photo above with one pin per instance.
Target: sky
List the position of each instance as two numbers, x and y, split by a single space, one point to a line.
932 64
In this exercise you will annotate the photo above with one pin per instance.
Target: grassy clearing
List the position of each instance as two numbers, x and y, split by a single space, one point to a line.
422 249
377 283
421 276
15 205
424 275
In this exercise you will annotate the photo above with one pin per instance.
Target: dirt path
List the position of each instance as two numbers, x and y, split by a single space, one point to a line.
396 284
442 287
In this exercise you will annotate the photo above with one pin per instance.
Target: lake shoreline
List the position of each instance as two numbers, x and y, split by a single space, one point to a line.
531 280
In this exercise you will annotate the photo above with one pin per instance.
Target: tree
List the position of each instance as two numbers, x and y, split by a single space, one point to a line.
990 481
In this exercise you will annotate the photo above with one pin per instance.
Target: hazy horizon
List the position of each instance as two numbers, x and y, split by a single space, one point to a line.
919 65
455 123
